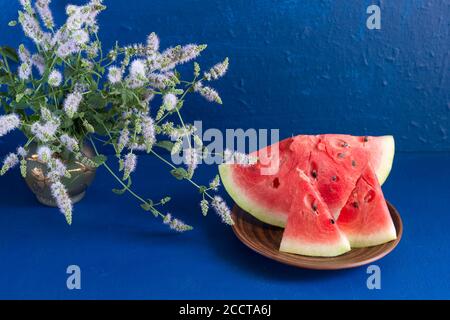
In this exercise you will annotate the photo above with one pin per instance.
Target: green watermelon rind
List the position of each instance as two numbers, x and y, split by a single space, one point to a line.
363 241
384 168
261 213
315 250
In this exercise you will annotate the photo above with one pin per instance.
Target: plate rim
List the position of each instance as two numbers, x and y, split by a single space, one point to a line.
395 215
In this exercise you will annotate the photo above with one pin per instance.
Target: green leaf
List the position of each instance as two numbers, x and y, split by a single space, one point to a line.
96 100
19 96
12 23
10 53
179 173
4 79
165 144
100 159
119 191
123 190
19 105
165 200
67 123
146 206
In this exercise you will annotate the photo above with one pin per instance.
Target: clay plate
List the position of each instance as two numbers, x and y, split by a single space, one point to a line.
265 239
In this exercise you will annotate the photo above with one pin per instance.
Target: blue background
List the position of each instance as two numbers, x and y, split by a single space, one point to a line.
301 66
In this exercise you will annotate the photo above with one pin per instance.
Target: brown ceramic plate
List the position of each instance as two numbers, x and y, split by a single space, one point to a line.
265 239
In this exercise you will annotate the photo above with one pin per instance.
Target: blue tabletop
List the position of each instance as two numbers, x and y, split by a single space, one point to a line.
123 252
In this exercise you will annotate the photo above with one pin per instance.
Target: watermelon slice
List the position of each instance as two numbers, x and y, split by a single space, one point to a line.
311 229
333 162
365 219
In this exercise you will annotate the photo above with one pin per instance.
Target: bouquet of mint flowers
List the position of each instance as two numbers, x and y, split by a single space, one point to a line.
68 92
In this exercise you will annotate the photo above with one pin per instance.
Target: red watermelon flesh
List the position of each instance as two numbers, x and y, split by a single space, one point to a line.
311 229
332 178
265 189
365 218
334 162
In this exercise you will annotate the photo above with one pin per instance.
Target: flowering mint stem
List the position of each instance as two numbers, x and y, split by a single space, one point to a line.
122 183
173 167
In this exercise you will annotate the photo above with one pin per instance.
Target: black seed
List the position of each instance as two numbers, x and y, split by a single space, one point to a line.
366 138
353 163
276 183
344 144
314 174
332 221
341 155
314 207
355 204
333 178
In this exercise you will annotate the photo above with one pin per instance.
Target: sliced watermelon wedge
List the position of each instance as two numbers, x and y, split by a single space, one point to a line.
333 162
365 219
311 230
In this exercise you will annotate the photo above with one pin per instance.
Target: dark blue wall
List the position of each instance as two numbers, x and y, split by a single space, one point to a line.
304 66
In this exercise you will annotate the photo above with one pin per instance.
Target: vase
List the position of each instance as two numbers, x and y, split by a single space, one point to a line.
81 176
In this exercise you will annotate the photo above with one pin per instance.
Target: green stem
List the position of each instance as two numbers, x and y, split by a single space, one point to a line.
121 182
28 142
173 167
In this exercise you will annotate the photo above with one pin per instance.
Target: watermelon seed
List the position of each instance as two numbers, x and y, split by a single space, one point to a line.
332 221
366 138
314 174
334 178
341 155
353 163
344 144
276 183
355 204
369 196
314 207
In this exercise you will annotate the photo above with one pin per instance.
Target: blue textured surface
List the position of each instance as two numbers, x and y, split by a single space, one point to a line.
304 66
125 253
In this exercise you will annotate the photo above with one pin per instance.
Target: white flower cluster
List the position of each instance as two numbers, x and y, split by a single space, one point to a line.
46 130
55 78
222 210
239 158
71 37
69 143
176 224
10 161
123 140
57 170
8 123
71 103
42 7
129 165
156 69
148 132
114 74
59 192
217 71
191 159
170 101
207 92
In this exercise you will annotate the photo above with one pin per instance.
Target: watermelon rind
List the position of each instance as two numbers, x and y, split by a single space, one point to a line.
385 166
260 212
364 240
315 250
